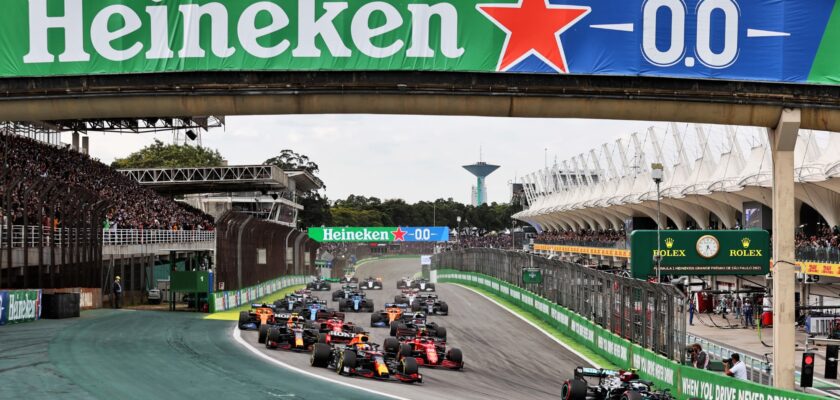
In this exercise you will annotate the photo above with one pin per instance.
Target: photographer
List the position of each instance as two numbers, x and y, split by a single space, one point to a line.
734 367
699 358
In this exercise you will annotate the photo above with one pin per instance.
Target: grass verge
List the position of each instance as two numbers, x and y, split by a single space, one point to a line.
585 351
233 314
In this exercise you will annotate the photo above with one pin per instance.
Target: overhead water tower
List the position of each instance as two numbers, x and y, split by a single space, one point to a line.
481 170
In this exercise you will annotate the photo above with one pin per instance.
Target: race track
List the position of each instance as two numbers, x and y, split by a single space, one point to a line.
505 357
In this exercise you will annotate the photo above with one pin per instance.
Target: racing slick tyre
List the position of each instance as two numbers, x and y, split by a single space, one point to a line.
321 354
375 318
444 308
243 318
455 356
399 299
263 333
415 306
405 351
440 332
336 295
574 389
394 326
409 366
430 286
322 338
341 306
632 395
347 360
369 307
272 338
391 345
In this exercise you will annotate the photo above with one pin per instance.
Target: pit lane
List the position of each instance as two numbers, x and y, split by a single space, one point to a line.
505 357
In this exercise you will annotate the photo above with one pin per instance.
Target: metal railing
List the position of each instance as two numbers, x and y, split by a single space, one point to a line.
32 236
648 314
586 243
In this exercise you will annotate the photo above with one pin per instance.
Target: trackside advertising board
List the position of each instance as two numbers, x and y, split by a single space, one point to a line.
18 306
684 381
226 300
380 234
750 40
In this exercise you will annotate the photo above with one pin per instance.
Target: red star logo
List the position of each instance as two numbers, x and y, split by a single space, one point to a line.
399 235
533 27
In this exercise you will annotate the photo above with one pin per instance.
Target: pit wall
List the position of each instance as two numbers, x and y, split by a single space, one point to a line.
226 300
685 382
17 306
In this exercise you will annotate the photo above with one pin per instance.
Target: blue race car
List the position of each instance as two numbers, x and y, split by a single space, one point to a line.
357 302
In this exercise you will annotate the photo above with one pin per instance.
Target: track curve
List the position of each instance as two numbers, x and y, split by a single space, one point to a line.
505 357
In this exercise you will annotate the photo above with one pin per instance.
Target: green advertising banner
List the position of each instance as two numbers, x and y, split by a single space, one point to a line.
532 275
19 306
709 252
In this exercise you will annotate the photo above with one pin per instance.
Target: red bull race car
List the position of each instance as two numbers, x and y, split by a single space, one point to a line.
364 359
427 351
295 334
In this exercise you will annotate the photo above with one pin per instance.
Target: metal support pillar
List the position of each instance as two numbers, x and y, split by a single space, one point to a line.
783 143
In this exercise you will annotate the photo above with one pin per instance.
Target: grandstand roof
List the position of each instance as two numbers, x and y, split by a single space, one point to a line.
241 178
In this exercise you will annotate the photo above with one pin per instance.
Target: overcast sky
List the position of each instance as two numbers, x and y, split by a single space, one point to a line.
409 157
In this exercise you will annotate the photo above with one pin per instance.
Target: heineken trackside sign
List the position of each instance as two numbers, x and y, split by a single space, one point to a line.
752 40
380 234
19 306
710 252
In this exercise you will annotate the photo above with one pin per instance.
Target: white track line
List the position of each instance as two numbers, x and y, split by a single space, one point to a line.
537 327
237 336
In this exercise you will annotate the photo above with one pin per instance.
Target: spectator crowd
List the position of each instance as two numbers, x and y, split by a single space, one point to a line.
584 237
130 205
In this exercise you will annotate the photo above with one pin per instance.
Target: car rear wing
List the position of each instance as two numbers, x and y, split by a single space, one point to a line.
258 305
582 372
396 305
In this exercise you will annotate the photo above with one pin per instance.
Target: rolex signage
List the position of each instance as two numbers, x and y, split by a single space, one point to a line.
700 252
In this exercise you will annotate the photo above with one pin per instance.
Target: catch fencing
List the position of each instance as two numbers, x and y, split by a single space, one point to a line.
648 314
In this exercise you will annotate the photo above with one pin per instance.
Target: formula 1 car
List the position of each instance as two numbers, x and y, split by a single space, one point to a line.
405 283
365 359
611 385
336 331
427 351
345 292
391 313
416 325
295 301
319 284
430 304
293 335
317 311
259 314
346 279
407 296
424 285
357 302
371 284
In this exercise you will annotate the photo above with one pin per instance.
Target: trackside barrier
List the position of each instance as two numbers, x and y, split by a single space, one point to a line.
18 306
684 381
226 300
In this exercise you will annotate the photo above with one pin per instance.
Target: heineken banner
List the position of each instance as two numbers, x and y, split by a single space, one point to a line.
754 40
19 306
380 234
708 252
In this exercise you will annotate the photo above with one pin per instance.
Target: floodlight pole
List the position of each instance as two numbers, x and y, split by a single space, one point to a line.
657 174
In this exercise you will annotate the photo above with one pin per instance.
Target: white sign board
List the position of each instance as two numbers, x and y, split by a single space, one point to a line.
425 260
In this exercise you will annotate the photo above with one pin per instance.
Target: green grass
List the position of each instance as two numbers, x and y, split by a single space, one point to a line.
233 314
581 349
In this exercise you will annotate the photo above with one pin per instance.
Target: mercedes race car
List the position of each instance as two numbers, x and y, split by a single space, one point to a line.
423 285
405 283
611 385
416 325
365 359
260 314
391 313
427 351
319 284
346 279
371 284
430 304
357 302
294 333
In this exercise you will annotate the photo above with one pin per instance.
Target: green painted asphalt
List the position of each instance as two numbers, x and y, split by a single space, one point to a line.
125 354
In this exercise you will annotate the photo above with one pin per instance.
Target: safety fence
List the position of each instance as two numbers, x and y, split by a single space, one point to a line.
648 314
18 306
226 300
684 381
34 236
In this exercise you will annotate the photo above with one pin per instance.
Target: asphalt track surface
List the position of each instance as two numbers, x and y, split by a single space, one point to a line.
505 357
124 354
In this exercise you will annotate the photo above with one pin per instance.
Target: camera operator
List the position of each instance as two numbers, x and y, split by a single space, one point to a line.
699 358
734 367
